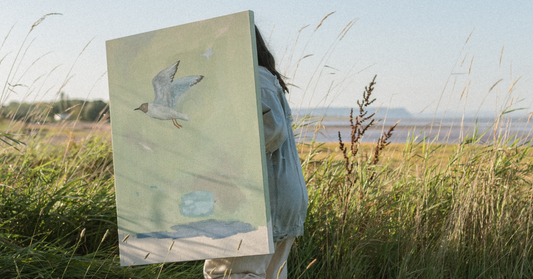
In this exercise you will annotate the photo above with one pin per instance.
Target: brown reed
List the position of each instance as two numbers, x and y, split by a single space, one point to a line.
359 125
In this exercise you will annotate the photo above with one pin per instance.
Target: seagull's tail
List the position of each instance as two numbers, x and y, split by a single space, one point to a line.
183 116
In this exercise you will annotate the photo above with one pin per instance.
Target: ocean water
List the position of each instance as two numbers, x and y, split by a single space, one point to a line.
439 130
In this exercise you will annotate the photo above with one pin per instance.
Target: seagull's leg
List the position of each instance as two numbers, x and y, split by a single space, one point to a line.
175 122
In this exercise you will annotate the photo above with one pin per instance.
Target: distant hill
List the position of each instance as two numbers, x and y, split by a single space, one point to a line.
345 112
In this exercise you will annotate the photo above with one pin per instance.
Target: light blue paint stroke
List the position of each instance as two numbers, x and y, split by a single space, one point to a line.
211 228
197 204
153 187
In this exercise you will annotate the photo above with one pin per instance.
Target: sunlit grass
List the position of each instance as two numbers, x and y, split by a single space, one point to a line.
466 215
423 210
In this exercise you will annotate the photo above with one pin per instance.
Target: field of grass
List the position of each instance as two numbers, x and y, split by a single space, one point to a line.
424 211
429 213
413 210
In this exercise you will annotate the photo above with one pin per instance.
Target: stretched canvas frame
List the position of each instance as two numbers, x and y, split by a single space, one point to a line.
188 144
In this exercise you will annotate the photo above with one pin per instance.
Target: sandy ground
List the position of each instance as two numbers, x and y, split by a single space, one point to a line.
58 133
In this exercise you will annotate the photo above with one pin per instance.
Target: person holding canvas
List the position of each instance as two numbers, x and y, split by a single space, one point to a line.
288 193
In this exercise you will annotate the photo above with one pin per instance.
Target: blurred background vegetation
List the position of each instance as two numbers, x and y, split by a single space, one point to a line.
63 109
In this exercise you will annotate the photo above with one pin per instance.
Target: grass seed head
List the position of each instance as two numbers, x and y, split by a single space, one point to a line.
281 268
125 238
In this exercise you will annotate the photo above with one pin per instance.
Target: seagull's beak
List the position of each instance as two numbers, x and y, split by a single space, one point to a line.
143 108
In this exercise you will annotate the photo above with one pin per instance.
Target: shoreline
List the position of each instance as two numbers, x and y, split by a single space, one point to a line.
403 134
326 132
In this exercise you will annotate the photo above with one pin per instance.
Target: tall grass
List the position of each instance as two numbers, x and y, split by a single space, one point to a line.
465 215
435 211
415 210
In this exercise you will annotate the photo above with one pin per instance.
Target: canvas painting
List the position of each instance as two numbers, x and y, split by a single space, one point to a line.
187 143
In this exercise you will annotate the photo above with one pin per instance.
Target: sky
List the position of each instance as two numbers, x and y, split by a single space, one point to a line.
427 55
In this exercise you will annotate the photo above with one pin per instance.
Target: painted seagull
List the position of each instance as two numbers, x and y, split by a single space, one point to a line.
167 92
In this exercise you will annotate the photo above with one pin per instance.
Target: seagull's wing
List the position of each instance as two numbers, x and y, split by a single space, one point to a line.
179 86
161 83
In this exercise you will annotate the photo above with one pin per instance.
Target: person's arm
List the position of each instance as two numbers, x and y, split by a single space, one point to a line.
274 122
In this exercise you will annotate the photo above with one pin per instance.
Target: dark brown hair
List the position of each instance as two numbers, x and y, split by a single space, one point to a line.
266 59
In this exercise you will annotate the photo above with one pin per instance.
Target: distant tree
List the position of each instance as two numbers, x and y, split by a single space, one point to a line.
16 110
74 108
61 107
66 109
56 108
62 102
25 111
93 111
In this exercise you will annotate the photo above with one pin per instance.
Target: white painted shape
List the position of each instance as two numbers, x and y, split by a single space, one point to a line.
133 250
207 53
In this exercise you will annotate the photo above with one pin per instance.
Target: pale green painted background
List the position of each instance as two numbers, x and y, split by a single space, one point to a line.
219 150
